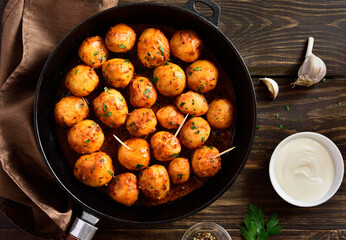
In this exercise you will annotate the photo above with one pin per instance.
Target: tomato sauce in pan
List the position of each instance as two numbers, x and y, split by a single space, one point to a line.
221 139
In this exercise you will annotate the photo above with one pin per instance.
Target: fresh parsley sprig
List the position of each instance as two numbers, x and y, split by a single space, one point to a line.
254 228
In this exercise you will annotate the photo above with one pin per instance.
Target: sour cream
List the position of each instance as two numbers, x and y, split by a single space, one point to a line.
304 169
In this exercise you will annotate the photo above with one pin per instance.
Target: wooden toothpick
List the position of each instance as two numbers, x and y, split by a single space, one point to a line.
226 151
121 142
181 125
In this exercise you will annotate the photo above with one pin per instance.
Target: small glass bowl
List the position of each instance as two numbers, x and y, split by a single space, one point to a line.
216 230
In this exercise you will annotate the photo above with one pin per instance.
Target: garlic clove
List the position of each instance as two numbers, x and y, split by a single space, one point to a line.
312 70
272 86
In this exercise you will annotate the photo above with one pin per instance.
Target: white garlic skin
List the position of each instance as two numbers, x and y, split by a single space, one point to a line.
312 70
272 86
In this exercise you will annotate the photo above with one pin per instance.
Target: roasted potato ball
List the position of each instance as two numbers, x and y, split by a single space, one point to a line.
220 114
165 146
85 137
110 106
154 182
169 117
81 80
153 48
170 79
94 170
138 157
142 92
192 103
179 170
141 122
186 45
203 163
118 72
120 38
70 110
202 76
194 133
123 189
93 51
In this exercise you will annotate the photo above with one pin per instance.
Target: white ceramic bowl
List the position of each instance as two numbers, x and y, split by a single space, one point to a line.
213 228
338 168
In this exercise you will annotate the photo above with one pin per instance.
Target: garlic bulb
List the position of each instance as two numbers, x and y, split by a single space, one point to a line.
272 86
312 70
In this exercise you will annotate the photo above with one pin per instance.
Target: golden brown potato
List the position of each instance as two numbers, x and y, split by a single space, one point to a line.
141 122
192 103
165 146
142 92
202 76
170 79
120 38
111 108
93 51
194 133
220 114
85 137
153 48
203 163
81 80
94 170
123 189
186 45
70 110
118 72
179 170
154 182
138 157
169 117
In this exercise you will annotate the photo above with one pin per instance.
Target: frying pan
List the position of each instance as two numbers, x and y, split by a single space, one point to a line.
96 204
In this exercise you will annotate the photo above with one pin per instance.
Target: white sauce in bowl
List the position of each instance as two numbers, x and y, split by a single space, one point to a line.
304 169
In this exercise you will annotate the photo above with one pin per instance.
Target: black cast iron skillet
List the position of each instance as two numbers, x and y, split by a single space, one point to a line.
98 204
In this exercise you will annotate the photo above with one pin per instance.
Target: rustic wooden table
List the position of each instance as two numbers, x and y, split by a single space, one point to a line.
271 35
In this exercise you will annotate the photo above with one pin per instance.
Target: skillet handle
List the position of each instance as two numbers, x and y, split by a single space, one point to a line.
214 19
81 230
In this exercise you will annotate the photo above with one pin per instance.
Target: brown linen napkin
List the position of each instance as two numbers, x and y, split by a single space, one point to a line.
31 30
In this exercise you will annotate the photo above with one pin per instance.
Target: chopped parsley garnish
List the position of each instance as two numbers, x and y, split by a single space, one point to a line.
121 99
76 71
87 141
256 137
154 80
110 172
122 46
212 160
193 101
95 124
175 155
131 124
257 127
139 166
180 76
96 53
161 50
109 113
182 104
127 61
106 89
277 116
180 176
287 107
339 104
282 126
203 139
116 180
104 107
319 98
193 126
324 80
102 160
146 92
197 69
82 105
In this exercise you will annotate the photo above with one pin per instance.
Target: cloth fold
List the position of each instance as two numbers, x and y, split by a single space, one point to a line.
31 30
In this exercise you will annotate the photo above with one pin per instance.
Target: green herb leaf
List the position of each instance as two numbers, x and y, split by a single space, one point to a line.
161 50
102 160
180 175
197 69
127 61
122 46
277 116
182 104
254 228
154 80
339 104
287 107
175 155
203 139
110 172
87 141
257 127
324 80
76 71
282 126
146 92
96 53
106 89
139 166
